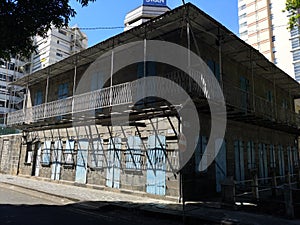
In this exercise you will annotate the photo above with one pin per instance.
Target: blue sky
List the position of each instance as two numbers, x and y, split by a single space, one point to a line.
111 13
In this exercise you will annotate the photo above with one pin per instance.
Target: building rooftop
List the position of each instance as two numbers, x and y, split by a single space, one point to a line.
231 45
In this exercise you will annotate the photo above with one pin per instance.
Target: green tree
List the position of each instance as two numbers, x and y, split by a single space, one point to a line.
20 20
293 6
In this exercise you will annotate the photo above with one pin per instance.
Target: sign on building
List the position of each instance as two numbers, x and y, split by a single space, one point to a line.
156 2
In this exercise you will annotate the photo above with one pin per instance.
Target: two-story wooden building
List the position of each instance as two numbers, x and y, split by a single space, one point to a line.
68 134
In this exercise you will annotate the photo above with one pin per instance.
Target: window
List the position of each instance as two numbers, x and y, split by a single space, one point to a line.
251 155
59 54
296 55
244 33
133 153
295 31
62 32
244 15
29 153
263 162
273 38
295 43
270 96
281 162
38 98
275 61
284 104
290 160
2 103
96 155
69 152
63 91
272 157
297 70
295 156
57 41
242 7
274 50
243 24
200 156
215 68
239 160
46 151
271 16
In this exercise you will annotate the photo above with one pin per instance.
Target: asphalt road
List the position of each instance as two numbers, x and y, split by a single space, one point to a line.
20 208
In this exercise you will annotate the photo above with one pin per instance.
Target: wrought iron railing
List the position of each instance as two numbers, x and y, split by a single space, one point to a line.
124 93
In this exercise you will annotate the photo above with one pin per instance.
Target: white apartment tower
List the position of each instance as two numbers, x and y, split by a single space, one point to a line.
59 43
11 97
263 24
145 12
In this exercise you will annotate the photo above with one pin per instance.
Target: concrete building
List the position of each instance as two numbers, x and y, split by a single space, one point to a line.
69 134
59 44
145 12
263 24
11 97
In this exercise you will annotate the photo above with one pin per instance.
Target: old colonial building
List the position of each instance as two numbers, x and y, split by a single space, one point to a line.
82 123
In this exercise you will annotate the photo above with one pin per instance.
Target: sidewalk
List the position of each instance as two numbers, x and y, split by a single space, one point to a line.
97 198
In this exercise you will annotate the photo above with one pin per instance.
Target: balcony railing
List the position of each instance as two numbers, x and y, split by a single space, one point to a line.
241 101
106 97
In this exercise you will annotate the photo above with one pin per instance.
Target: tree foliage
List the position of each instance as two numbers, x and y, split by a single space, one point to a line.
293 6
20 20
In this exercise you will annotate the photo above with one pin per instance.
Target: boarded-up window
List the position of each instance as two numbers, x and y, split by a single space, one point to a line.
96 154
69 152
133 153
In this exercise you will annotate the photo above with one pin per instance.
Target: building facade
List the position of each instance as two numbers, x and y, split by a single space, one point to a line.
69 133
263 25
145 12
11 97
59 44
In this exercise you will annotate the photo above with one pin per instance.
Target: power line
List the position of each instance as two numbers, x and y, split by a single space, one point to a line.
101 28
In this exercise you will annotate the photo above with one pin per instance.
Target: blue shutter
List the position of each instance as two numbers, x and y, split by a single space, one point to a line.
281 161
221 165
239 160
46 153
69 151
133 153
251 155
63 91
156 175
38 99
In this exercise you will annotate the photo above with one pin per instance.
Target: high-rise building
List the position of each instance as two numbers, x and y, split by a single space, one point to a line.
145 12
263 24
11 97
59 43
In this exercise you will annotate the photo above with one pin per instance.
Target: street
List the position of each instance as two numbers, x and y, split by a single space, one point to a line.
17 208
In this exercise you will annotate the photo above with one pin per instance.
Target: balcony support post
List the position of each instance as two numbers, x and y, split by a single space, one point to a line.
46 93
252 77
275 96
74 83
